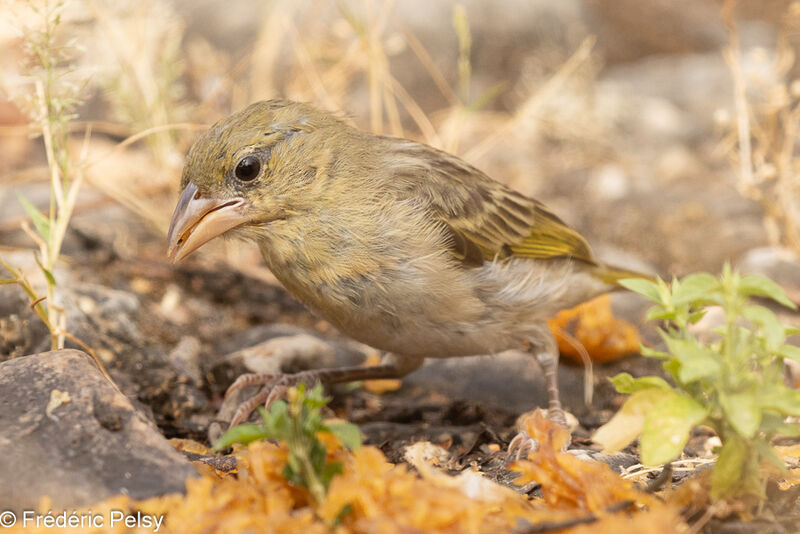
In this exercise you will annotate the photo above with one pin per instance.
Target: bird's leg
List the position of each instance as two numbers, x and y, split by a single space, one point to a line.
546 352
275 385
549 362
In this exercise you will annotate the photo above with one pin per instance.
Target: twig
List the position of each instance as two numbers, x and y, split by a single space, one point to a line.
141 135
430 66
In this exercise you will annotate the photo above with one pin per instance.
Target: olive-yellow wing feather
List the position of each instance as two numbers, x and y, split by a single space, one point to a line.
481 214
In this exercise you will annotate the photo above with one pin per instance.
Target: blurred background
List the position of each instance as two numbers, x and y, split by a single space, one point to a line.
620 114
663 130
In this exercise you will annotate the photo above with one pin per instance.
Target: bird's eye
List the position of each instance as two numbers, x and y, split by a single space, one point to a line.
247 168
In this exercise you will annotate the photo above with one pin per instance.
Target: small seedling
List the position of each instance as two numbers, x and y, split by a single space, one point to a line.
51 101
733 383
297 424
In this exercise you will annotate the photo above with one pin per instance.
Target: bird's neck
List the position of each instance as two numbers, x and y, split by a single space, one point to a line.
311 257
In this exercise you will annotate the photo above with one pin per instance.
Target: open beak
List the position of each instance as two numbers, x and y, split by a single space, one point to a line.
198 220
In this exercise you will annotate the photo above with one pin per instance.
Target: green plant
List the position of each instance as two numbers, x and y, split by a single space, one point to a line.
733 383
297 424
50 105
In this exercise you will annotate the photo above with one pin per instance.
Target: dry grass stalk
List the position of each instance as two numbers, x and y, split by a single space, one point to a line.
766 129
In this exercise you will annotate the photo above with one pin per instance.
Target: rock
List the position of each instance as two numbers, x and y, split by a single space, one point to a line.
511 381
96 312
280 348
274 349
185 359
21 331
68 434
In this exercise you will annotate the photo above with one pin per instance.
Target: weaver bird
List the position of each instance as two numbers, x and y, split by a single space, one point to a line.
399 245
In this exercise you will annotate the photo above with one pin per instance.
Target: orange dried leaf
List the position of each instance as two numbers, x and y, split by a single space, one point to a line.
568 481
190 445
381 497
594 326
657 519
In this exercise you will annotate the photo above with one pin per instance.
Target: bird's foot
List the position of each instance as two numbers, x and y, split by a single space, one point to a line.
557 415
520 447
274 387
523 443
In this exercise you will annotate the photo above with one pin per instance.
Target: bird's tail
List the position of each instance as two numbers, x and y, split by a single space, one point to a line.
612 275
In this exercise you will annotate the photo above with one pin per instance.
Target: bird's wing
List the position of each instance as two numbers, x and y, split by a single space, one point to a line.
485 219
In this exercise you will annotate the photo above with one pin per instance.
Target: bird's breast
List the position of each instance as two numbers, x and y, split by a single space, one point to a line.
407 294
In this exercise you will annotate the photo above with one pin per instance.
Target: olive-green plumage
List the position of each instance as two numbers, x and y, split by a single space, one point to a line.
400 245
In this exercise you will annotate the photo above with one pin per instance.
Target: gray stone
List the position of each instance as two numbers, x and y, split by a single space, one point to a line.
65 432
275 349
95 311
511 381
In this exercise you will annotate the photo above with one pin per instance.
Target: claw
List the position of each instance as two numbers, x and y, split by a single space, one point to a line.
521 446
246 408
275 386
250 379
277 391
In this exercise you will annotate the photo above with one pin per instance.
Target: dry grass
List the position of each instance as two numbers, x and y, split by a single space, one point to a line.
154 84
763 144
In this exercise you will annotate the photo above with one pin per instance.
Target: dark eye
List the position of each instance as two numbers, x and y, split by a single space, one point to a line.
247 168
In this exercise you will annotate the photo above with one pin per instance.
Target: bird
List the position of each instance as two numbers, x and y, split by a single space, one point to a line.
399 245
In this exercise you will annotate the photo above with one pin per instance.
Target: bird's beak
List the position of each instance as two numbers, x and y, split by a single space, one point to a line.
198 220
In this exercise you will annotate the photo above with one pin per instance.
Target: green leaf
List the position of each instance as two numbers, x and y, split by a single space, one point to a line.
729 468
791 331
316 398
771 327
696 361
672 367
41 222
318 455
764 287
695 316
346 510
329 471
625 383
743 411
653 353
277 422
627 423
780 398
50 278
666 428
789 351
660 313
347 433
291 472
243 434
693 288
645 288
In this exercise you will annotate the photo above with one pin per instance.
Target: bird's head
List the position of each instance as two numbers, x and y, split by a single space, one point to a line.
257 166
